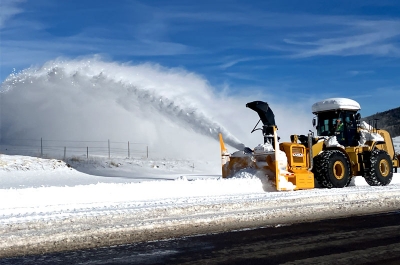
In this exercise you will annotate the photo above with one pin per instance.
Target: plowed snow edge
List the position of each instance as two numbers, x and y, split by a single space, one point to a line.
116 228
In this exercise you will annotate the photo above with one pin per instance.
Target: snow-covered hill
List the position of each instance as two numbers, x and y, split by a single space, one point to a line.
49 205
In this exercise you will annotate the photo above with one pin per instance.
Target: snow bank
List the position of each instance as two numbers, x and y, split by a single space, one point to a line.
42 219
64 218
26 163
25 171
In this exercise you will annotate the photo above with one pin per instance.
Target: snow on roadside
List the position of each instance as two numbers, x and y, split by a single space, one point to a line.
24 171
64 205
35 185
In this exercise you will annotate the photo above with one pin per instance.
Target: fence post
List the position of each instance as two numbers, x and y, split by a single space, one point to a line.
129 151
87 152
147 147
65 152
41 147
109 153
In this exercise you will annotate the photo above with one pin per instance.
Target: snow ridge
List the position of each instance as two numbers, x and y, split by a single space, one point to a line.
59 217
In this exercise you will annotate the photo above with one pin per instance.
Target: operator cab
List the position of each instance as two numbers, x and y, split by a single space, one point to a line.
337 117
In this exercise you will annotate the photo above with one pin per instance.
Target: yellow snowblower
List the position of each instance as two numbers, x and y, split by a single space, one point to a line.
345 147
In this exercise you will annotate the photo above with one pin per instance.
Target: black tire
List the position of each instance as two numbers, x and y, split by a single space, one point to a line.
379 169
332 169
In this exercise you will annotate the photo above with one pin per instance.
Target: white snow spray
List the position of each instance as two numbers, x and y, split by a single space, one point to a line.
90 99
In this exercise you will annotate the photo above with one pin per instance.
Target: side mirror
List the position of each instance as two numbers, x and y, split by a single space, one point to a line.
358 116
314 121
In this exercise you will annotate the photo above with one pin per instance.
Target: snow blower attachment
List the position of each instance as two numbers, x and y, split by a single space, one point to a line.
344 147
284 164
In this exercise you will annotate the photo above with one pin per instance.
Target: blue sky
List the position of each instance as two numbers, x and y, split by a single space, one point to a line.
296 49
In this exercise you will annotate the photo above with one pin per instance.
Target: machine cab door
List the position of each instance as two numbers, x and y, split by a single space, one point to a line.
341 124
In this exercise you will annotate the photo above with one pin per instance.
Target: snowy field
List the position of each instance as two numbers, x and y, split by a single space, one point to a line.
51 205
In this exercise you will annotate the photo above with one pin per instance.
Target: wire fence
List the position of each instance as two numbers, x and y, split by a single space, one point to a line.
67 148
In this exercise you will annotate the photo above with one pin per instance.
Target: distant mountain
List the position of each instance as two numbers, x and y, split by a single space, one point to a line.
388 120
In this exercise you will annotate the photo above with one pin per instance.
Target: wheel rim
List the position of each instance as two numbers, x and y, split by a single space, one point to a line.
384 168
338 170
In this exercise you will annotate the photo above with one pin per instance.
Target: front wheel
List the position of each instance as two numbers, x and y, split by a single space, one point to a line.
332 169
379 169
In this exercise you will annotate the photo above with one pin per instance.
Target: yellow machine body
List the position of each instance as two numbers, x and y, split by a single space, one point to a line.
354 153
296 171
388 146
332 157
298 163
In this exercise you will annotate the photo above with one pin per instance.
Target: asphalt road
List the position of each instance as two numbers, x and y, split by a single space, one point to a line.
372 239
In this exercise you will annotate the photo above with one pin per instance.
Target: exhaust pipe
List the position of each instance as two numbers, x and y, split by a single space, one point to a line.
310 136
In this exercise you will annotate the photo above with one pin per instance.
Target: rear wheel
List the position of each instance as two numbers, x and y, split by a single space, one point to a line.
332 169
379 169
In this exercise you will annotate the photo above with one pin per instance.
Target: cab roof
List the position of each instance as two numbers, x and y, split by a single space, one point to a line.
335 104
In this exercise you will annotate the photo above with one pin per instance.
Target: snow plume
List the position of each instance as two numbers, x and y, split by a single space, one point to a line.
90 99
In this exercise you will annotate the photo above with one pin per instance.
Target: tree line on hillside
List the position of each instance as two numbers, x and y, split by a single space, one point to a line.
388 120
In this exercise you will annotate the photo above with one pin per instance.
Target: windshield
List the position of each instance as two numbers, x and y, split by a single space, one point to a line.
341 124
327 124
